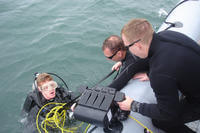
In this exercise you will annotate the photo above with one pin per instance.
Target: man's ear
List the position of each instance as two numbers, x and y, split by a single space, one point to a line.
120 53
139 45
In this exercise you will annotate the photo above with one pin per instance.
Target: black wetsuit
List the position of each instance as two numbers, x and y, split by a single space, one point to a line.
130 66
129 59
174 66
35 101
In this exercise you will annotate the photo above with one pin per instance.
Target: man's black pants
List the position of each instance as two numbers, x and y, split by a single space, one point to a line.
190 112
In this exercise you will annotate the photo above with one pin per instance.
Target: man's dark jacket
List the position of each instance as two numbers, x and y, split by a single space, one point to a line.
174 66
131 65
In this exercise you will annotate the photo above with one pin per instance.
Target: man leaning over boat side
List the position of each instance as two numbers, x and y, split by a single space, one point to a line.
114 49
127 63
174 62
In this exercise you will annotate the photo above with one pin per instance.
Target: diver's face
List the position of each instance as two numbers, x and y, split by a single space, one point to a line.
48 89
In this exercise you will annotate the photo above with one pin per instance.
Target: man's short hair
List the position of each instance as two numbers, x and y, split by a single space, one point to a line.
114 43
138 29
43 77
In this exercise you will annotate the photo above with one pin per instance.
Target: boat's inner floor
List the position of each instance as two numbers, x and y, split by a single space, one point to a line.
146 94
142 92
194 126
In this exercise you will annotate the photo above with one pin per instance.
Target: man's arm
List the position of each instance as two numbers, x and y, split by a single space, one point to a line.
128 72
167 107
27 104
166 92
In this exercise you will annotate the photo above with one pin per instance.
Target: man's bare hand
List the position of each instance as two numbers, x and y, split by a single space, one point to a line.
117 66
126 104
141 76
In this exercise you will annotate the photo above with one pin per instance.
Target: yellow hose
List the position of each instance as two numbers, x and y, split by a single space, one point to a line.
140 124
55 119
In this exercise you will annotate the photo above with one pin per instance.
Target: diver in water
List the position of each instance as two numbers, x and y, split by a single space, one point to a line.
46 90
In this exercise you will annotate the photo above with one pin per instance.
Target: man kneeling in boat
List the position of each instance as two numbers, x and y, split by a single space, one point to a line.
127 64
46 90
174 67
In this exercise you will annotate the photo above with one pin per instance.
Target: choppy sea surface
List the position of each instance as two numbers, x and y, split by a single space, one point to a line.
63 37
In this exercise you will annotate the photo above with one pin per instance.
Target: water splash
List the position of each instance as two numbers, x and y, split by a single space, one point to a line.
162 12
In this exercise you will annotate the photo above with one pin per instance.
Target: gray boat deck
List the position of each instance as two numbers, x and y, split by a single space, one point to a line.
194 126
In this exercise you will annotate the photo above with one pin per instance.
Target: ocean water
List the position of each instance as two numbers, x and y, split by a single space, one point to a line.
63 37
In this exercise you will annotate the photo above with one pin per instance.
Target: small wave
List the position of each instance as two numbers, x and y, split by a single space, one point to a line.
61 19
23 120
55 25
162 12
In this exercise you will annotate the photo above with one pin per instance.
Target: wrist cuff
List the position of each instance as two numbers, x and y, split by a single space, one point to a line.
135 106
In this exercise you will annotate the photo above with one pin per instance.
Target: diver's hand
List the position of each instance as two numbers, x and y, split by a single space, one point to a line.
73 107
117 66
141 76
126 104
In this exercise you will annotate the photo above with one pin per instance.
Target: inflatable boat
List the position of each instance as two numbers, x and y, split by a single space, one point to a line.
183 18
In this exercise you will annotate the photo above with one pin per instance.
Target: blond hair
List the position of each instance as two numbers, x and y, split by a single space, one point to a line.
138 29
43 77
